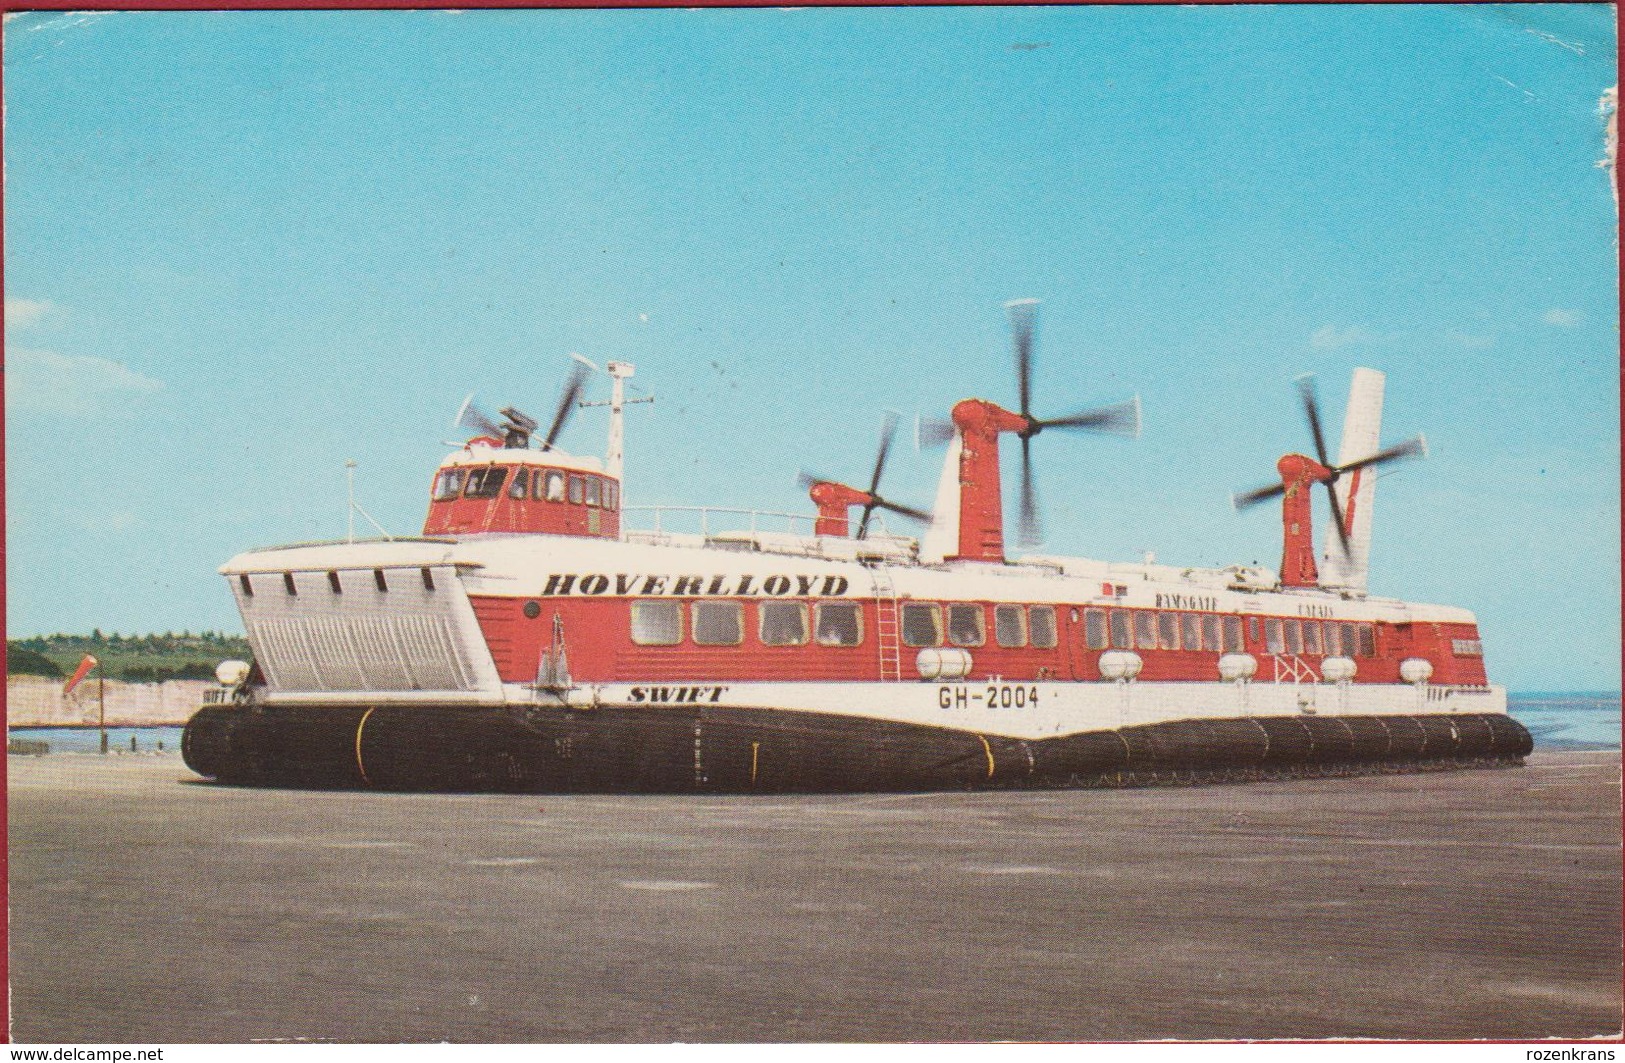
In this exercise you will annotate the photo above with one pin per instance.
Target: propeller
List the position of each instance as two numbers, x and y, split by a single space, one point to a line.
872 497
932 432
567 400
472 417
514 429
1121 418
1415 447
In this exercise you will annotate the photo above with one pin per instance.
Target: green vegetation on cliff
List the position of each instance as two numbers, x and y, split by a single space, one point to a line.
134 658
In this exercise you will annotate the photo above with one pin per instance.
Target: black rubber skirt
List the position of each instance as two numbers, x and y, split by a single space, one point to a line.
712 750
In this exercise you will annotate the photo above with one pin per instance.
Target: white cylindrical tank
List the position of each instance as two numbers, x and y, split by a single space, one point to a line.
231 673
1416 670
1120 664
1235 666
943 663
1338 669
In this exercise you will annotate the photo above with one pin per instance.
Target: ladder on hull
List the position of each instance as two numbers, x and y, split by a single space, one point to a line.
886 630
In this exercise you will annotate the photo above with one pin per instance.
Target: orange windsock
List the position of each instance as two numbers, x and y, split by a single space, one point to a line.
79 673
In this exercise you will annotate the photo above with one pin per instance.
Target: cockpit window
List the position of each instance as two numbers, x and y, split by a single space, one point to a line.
592 490
553 487
448 485
521 481
485 483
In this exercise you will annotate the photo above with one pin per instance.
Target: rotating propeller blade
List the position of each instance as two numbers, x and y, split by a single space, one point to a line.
1248 499
567 402
1122 419
1030 532
907 511
476 420
863 521
871 499
932 432
1337 516
805 479
1023 318
1311 410
1415 447
888 429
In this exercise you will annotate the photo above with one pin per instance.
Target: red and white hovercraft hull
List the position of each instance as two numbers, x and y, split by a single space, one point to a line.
529 643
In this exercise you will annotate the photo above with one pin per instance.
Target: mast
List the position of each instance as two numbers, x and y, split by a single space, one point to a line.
619 372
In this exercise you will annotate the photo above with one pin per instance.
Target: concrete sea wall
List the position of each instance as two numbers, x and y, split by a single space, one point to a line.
36 702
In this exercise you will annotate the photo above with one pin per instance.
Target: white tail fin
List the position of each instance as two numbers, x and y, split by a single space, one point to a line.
1356 491
942 538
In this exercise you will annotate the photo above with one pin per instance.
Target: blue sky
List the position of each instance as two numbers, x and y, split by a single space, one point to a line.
244 247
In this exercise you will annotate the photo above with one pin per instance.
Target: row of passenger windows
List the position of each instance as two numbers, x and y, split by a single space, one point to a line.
1145 629
543 485
722 623
923 624
1013 625
657 623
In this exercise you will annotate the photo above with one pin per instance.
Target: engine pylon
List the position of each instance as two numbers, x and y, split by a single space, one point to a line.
970 506
1299 474
1349 488
835 500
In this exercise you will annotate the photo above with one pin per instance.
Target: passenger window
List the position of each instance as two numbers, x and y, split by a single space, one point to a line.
1167 631
1122 639
657 623
1010 625
1210 634
553 489
520 485
1311 637
719 623
1094 628
578 490
449 485
1346 646
839 624
922 625
592 490
1274 640
1294 637
1145 629
1190 630
1252 629
966 625
1041 626
1233 642
783 623
484 483
1368 640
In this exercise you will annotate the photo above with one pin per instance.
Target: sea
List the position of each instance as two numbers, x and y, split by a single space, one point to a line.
1556 720
1569 720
